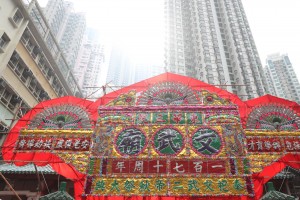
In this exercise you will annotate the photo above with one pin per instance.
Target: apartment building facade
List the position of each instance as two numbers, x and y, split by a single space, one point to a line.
281 77
67 26
32 67
211 40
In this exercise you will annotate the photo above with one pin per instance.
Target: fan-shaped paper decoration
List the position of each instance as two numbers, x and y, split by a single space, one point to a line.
273 117
64 116
168 93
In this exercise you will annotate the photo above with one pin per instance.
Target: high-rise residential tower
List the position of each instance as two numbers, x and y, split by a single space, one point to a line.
67 26
144 71
57 13
124 69
73 36
211 40
121 68
90 65
282 80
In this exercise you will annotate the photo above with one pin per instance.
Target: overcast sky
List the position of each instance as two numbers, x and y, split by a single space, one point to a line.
275 25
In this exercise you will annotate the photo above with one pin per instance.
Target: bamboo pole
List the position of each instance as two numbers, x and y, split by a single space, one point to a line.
10 187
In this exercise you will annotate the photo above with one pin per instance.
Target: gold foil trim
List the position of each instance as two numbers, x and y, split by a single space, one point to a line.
260 161
78 160
56 132
169 186
271 133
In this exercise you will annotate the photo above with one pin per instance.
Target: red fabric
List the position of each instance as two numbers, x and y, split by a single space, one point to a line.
259 179
78 189
40 158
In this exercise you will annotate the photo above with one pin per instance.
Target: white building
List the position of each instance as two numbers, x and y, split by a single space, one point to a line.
82 61
57 13
282 80
124 69
67 26
72 37
89 66
144 71
121 68
211 40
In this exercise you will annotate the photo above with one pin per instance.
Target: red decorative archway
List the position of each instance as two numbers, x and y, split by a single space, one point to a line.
86 141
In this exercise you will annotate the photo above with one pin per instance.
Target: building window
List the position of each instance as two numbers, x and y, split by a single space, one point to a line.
4 40
16 18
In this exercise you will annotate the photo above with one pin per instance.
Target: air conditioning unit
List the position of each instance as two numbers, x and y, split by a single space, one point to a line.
2 83
16 99
28 72
3 128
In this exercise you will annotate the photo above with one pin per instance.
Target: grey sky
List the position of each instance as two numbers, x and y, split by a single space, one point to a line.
275 25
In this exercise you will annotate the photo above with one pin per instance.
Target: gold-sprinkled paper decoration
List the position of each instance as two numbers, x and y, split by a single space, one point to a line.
127 99
209 98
